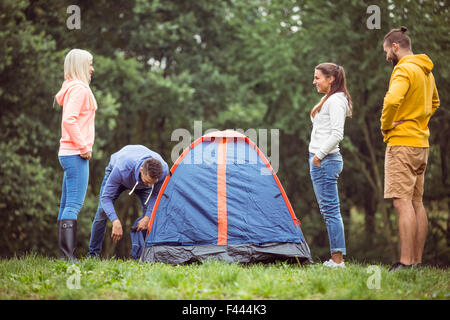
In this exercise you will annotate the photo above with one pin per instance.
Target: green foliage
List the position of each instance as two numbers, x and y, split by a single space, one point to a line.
161 65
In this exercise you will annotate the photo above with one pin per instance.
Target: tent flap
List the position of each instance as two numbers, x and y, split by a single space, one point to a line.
242 253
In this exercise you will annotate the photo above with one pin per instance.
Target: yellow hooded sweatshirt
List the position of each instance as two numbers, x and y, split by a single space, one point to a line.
412 98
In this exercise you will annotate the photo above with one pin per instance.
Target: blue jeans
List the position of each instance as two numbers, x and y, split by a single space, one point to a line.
99 225
74 186
324 180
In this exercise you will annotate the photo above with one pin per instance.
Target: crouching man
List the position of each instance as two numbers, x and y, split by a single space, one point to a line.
135 168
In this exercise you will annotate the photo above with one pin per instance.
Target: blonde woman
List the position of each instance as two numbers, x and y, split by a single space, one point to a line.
75 147
325 160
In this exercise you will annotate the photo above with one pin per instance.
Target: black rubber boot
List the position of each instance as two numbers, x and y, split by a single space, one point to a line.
67 234
61 256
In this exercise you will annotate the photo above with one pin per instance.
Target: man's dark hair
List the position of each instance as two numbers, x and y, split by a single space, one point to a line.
153 168
398 36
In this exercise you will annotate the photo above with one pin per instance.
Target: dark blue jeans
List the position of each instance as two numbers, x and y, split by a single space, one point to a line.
74 186
99 225
324 180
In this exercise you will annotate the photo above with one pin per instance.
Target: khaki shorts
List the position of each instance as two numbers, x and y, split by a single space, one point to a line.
404 172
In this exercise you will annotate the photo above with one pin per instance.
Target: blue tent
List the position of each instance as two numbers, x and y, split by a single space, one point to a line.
222 201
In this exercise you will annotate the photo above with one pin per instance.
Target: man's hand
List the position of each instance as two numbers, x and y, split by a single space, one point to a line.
143 224
316 161
397 123
385 132
117 232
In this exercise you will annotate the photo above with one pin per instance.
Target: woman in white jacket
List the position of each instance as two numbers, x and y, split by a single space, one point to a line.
325 160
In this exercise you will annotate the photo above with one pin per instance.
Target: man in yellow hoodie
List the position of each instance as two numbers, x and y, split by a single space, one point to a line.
411 100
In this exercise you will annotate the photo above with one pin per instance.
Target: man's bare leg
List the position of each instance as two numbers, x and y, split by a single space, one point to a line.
407 225
421 230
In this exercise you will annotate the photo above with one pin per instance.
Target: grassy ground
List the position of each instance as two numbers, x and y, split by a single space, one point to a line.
35 277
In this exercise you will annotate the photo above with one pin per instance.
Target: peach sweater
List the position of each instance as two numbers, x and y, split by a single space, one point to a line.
78 114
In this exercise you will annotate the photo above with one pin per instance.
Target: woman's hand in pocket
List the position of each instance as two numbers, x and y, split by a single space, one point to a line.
316 161
87 155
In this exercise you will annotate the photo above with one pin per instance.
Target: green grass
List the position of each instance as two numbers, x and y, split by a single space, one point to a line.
35 277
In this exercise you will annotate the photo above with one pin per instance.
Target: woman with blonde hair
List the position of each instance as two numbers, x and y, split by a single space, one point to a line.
325 160
75 146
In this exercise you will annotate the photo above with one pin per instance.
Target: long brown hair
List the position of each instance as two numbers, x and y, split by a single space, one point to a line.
338 85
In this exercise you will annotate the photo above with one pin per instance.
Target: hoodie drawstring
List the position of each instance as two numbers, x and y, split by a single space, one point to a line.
148 198
133 188
149 195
